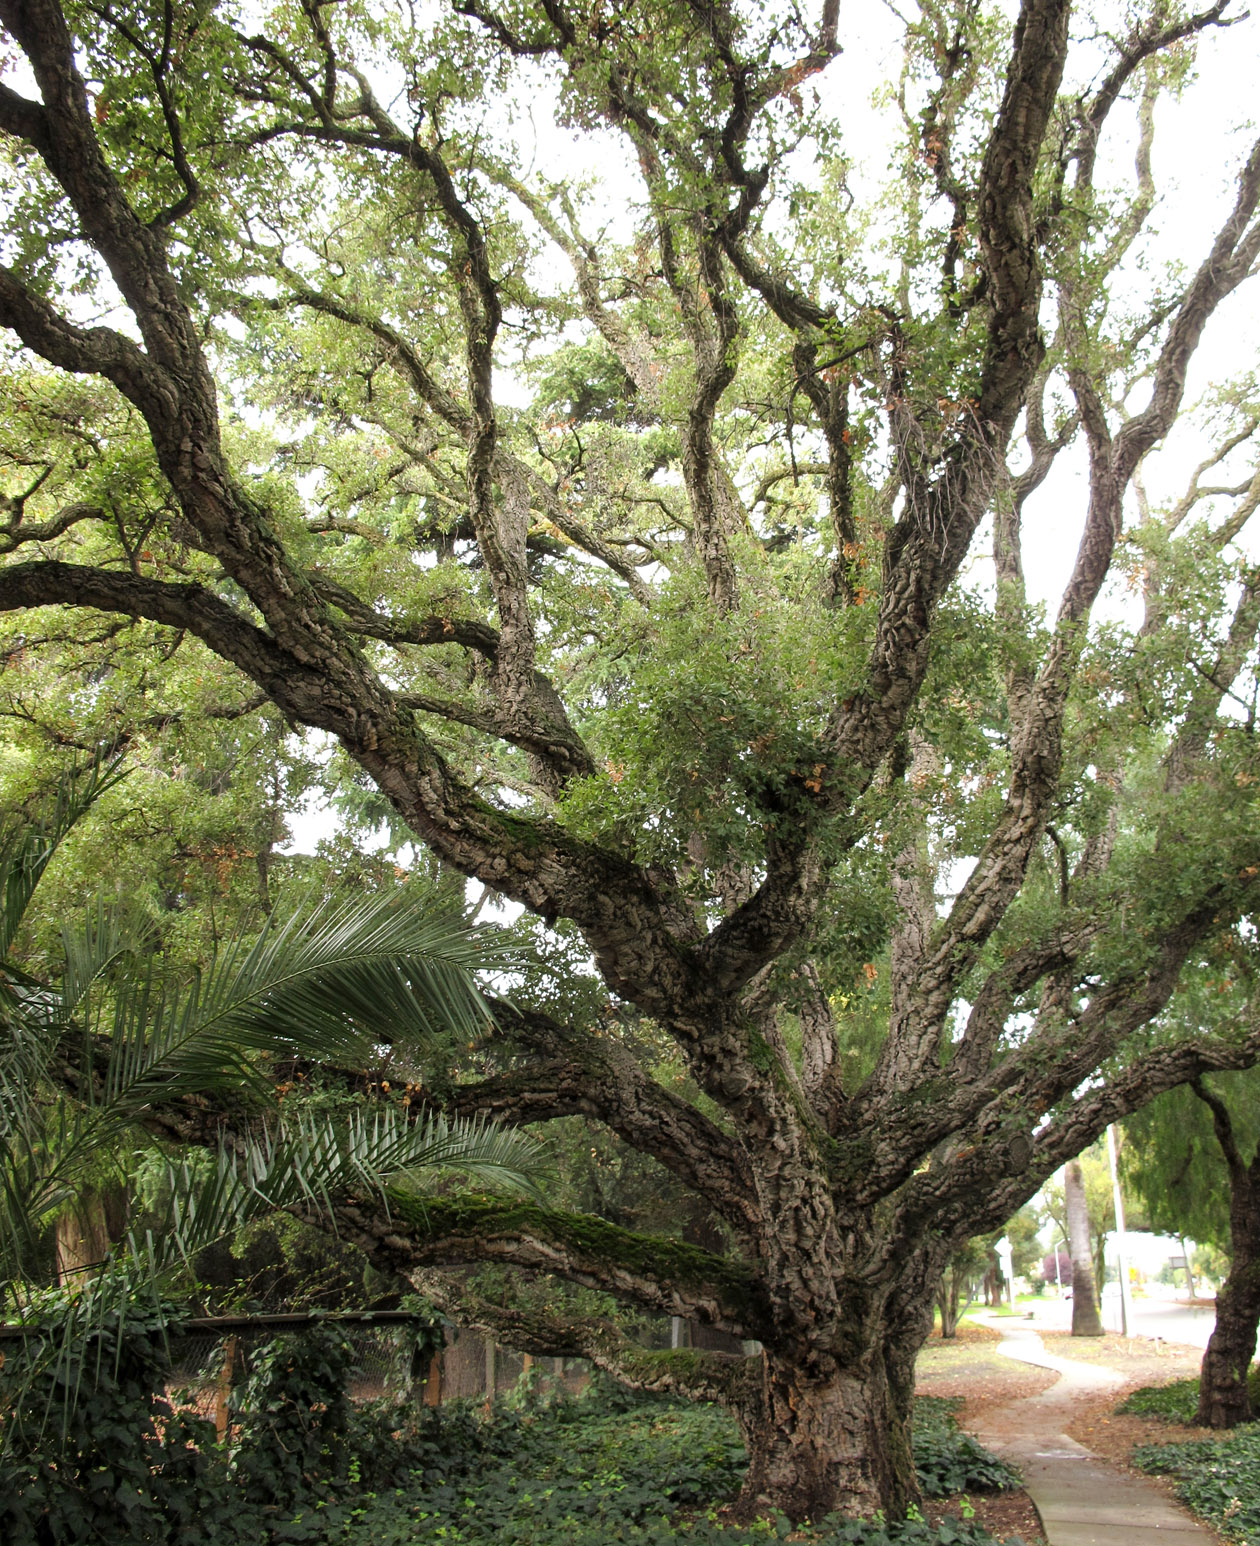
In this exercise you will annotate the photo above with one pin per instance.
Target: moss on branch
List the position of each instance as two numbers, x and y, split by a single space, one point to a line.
585 1239
700 1373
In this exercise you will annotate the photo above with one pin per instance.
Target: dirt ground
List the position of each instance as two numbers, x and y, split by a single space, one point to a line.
970 1366
1140 1359
1004 1514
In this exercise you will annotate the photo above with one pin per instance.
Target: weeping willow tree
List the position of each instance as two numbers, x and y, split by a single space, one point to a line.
1193 1157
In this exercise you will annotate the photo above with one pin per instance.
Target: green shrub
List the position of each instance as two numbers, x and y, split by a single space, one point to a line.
547 1477
390 1521
309 1467
637 1470
294 1417
947 1459
91 1452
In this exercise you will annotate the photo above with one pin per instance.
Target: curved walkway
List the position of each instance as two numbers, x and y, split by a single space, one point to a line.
1082 1500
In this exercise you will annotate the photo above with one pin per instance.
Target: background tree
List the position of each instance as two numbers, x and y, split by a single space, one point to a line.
971 1269
1086 1321
1096 1220
959 1285
681 652
1194 1158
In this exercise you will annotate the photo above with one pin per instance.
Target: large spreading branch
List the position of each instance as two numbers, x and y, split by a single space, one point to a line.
1160 1069
702 1376
325 681
407 1231
927 545
573 1072
1037 739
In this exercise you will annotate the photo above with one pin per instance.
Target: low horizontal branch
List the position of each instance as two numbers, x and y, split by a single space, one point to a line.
293 1320
703 1375
404 1231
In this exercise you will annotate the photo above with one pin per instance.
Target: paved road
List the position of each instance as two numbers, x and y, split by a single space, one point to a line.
1174 1322
1166 1318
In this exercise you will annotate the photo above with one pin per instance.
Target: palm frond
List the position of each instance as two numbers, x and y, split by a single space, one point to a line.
90 950
390 968
72 1335
310 1161
306 1163
329 983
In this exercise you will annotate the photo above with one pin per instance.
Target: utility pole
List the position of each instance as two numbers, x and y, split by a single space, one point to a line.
1122 1255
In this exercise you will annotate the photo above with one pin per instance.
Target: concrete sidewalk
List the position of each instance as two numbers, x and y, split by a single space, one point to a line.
1082 1500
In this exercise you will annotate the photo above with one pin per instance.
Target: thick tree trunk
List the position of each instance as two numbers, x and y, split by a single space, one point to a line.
1223 1398
835 1444
824 1407
1086 1321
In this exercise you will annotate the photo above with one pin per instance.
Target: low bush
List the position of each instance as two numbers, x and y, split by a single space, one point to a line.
1174 1403
294 1418
949 1460
1218 1478
571 1472
635 1470
387 1523
90 1452
1178 1401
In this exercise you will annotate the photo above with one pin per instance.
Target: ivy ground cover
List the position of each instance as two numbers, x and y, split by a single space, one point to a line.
648 1472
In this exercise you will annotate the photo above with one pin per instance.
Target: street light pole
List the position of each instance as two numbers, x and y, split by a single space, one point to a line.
1122 1258
1006 1256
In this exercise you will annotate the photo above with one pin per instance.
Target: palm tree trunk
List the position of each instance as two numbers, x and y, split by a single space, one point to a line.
1086 1321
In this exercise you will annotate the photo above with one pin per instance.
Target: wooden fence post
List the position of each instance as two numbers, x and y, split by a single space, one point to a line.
491 1373
433 1385
223 1390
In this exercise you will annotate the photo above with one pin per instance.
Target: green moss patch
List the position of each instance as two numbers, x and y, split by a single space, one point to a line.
656 1256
